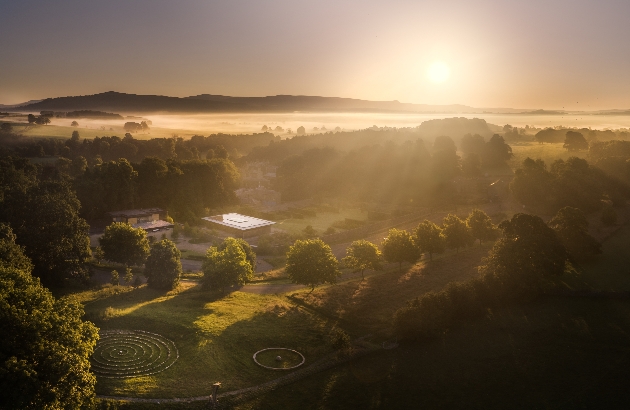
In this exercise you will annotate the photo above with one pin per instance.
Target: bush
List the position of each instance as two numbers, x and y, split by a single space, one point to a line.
115 279
340 340
128 276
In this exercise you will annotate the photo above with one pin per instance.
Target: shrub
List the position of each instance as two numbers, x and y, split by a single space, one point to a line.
340 340
115 278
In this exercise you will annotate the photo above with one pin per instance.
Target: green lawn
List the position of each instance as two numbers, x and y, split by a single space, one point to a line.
321 222
216 335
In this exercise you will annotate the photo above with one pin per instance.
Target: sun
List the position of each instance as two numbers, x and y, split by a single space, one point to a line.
438 72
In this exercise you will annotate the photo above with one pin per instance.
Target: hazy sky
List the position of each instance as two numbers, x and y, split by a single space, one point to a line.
501 53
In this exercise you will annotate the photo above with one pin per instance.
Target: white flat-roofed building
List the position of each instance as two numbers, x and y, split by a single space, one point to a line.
241 226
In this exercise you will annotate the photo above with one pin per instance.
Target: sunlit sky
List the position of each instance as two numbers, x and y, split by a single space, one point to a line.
553 54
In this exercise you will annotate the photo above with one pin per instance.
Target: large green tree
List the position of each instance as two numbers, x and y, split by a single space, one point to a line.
362 255
45 346
429 238
472 144
12 254
456 232
496 152
125 244
533 185
106 187
226 267
311 262
481 226
575 141
528 254
163 267
45 218
250 255
399 247
571 226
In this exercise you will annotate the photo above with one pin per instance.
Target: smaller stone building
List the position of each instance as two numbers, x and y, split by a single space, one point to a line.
148 219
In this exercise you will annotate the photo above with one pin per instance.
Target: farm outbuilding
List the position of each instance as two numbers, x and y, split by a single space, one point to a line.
241 226
148 219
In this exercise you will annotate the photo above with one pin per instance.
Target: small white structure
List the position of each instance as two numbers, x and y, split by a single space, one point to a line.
241 226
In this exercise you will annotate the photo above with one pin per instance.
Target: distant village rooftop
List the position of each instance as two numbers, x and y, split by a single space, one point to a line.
241 225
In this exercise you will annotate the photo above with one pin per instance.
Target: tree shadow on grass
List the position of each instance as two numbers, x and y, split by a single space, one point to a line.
216 336
371 303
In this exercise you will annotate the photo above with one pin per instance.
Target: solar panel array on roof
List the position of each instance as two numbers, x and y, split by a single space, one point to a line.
238 221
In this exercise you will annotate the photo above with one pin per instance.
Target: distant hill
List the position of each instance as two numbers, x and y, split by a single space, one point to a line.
204 103
94 115
543 112
5 106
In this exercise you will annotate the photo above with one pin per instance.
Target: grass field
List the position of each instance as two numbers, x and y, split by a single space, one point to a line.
547 152
216 335
556 352
322 221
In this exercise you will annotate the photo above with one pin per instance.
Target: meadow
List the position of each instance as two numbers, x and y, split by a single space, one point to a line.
321 221
216 335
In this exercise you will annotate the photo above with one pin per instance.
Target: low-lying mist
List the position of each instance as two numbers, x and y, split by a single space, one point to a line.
287 124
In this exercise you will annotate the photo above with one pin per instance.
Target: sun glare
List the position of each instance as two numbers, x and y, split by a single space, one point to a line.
438 72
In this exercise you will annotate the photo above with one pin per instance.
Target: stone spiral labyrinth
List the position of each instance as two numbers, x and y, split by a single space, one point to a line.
130 353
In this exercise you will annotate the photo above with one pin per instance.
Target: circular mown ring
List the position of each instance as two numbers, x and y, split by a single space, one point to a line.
279 368
122 354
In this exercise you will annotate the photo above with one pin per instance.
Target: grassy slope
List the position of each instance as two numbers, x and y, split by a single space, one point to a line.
368 306
553 353
216 336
